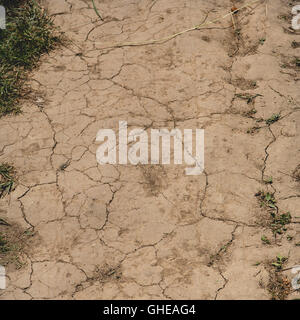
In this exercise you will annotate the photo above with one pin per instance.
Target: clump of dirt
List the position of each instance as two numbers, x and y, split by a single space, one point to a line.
244 84
108 274
279 285
155 179
291 62
295 44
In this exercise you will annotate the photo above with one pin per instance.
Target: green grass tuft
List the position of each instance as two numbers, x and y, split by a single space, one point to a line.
29 33
7 179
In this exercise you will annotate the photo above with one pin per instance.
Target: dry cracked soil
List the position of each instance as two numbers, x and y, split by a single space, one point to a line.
150 231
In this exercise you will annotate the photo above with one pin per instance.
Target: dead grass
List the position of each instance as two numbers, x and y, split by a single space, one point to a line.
12 242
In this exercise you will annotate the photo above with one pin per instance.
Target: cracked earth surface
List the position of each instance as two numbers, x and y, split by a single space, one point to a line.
150 231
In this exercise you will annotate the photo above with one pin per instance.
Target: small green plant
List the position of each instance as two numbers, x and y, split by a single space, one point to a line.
284 219
278 263
268 180
266 199
262 41
273 118
283 17
280 221
248 97
237 31
7 177
252 111
265 240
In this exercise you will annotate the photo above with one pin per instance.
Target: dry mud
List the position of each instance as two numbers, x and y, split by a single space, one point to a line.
150 231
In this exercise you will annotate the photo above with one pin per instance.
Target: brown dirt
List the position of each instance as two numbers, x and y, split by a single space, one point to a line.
151 232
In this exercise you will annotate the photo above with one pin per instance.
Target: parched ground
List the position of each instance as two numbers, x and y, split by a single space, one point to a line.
150 231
